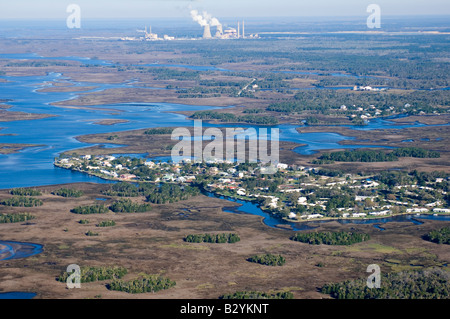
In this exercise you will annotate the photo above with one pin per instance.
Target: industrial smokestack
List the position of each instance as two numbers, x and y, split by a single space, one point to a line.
207 32
243 29
239 30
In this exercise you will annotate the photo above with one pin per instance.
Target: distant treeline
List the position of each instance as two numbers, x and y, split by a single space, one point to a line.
376 156
439 236
419 284
268 259
258 295
212 238
232 118
22 201
330 238
15 218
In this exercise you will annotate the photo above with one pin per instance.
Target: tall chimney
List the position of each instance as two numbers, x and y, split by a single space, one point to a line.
219 31
243 29
207 32
239 30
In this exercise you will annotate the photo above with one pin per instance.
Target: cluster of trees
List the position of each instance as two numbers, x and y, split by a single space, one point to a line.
268 259
159 131
92 209
229 117
376 156
170 193
142 284
67 192
173 74
431 283
213 238
439 236
128 206
106 223
22 201
91 233
330 238
258 295
25 192
15 218
93 273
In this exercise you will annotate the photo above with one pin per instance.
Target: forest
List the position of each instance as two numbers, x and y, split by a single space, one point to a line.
431 283
232 118
330 238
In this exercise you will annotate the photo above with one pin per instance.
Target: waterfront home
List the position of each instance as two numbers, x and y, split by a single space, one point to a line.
417 210
312 216
441 210
381 213
358 214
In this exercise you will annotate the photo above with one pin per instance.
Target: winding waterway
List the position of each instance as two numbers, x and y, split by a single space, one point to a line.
34 166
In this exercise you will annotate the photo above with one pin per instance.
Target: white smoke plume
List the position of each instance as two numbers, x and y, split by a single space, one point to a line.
204 18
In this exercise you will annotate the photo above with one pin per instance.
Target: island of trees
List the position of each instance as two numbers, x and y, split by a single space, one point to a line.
213 238
330 238
91 273
420 284
144 283
67 192
439 236
93 209
21 201
258 295
15 218
268 259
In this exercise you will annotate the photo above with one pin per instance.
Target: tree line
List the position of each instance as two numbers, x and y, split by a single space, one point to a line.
232 118
330 238
376 156
258 295
212 238
15 218
127 206
67 192
431 283
25 192
144 283
94 273
92 209
22 201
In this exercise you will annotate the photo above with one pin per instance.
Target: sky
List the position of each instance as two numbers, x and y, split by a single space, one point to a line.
126 9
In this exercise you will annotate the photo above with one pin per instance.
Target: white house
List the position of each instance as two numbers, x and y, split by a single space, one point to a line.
441 210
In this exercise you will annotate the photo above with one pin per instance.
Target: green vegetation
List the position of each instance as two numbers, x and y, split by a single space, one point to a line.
422 284
94 209
439 236
127 206
25 192
106 223
258 295
212 238
268 259
330 238
22 201
159 131
83 221
170 193
228 117
66 192
15 218
91 273
91 233
376 156
144 283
